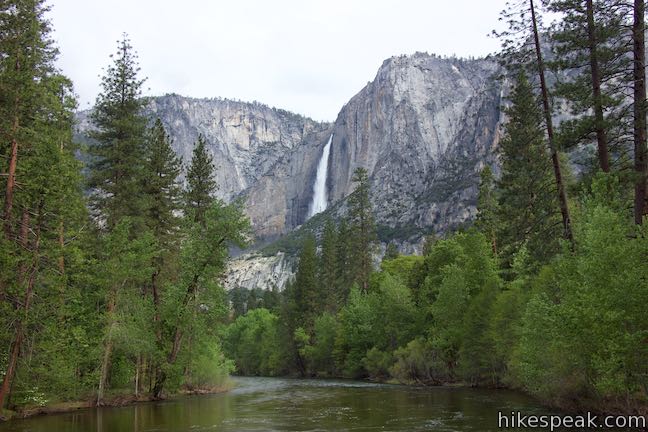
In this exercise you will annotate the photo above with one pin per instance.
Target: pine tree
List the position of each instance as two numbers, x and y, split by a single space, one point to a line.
487 207
162 196
27 59
639 105
160 184
527 205
363 228
37 106
305 289
523 49
201 184
328 267
345 272
120 140
591 33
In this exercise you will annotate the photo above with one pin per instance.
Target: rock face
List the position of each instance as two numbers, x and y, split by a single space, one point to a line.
263 153
423 128
252 271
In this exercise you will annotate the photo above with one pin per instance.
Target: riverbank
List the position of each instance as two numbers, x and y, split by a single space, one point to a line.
285 404
114 401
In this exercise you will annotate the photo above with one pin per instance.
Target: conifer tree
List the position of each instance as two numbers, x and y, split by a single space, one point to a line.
305 288
487 207
640 133
160 184
345 271
591 33
120 139
328 267
27 59
37 105
527 204
363 228
201 184
522 48
162 196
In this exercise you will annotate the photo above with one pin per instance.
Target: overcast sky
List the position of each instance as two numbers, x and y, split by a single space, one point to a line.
305 56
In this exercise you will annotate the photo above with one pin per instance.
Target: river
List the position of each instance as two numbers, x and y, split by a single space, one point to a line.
277 404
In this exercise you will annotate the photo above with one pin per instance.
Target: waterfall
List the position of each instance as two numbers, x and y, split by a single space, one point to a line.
319 188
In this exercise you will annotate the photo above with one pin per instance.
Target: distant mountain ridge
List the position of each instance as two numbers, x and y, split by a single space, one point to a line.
423 128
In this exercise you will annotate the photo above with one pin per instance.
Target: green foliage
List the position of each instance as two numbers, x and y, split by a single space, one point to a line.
200 181
95 305
487 207
419 362
585 311
252 341
355 335
377 363
362 228
527 191
116 168
305 289
391 252
327 268
319 353
597 117
160 184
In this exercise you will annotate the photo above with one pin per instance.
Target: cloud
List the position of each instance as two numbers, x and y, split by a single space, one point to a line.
310 57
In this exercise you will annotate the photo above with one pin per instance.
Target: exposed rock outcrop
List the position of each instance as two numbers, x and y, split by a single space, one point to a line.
253 271
423 128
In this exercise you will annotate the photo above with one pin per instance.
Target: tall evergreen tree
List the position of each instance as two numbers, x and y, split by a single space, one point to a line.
305 288
640 134
523 48
160 184
363 228
27 60
487 207
37 106
162 195
345 271
201 184
592 33
120 140
328 267
527 204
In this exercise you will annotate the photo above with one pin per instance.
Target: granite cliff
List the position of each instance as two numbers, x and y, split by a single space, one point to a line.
423 128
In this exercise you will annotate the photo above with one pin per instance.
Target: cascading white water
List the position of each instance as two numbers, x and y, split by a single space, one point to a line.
319 188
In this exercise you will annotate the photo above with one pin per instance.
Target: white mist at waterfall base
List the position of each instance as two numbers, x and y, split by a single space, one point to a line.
320 200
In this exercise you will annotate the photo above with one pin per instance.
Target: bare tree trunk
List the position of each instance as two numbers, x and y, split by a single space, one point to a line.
562 195
61 241
639 75
108 347
601 139
138 362
19 330
13 362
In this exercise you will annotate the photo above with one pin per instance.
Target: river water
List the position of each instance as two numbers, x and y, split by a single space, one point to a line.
276 404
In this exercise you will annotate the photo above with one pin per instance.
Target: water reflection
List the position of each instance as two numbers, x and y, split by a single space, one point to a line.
271 404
